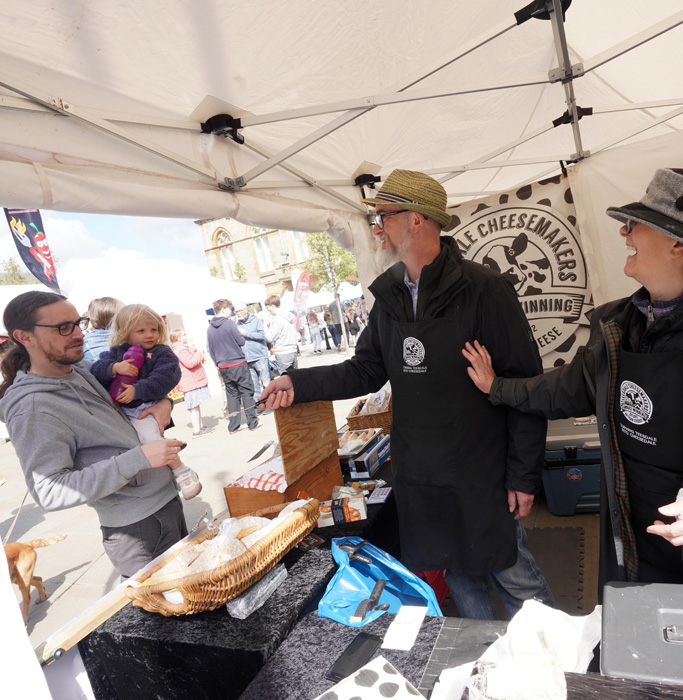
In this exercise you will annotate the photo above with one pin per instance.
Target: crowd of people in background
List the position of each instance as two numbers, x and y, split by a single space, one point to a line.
248 344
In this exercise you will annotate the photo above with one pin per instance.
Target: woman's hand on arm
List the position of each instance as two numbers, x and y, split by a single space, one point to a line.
481 372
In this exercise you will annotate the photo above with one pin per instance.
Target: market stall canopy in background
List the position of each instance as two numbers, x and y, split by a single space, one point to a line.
103 104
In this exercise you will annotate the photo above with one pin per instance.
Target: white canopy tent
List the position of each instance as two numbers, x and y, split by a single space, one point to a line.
102 104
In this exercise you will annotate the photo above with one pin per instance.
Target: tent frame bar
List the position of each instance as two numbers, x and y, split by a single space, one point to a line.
557 22
344 119
35 100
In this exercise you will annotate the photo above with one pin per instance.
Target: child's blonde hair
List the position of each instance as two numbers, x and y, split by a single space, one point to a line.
123 324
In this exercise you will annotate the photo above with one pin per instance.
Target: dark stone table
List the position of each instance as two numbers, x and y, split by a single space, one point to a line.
297 669
212 655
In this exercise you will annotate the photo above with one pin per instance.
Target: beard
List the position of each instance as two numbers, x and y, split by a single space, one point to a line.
388 255
70 356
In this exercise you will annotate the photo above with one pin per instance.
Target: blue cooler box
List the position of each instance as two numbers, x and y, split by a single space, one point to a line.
571 475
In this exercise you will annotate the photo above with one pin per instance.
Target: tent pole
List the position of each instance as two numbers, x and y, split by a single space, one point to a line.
639 130
63 107
637 40
346 118
311 181
557 21
458 170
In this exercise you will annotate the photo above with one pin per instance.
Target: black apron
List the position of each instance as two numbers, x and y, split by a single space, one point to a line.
650 438
448 454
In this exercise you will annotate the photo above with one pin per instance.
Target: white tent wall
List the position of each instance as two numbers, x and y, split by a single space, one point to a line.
101 104
612 178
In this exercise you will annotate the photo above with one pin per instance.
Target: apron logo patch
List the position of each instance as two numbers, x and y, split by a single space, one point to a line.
634 403
413 351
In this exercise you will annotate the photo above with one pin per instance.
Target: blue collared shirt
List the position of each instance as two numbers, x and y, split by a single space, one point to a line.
412 288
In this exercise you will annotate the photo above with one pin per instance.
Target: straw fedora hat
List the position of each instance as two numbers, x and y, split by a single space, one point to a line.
415 191
662 206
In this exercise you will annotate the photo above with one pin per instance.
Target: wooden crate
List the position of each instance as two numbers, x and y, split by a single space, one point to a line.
308 442
317 483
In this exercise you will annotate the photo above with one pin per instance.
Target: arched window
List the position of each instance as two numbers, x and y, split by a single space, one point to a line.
301 249
263 254
227 255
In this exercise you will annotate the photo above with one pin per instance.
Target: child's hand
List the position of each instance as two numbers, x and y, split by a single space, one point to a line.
127 395
126 368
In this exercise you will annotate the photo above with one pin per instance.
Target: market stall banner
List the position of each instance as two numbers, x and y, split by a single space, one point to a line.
301 292
529 235
303 284
27 230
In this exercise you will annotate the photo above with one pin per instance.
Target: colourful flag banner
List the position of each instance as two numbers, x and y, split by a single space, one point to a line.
301 292
27 230
300 298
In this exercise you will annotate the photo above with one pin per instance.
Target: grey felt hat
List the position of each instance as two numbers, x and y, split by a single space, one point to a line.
662 206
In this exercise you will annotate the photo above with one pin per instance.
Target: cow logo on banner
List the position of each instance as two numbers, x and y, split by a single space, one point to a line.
535 245
27 230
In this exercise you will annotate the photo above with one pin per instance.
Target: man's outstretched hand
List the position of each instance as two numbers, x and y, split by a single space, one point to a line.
279 393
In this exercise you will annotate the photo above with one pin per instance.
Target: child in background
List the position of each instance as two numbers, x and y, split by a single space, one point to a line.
137 324
100 312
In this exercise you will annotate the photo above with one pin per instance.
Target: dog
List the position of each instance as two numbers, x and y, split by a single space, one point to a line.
21 561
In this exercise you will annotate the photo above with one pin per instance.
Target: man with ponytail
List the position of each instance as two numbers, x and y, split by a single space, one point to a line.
74 445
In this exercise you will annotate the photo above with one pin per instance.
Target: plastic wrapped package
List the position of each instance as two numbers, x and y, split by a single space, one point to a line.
253 598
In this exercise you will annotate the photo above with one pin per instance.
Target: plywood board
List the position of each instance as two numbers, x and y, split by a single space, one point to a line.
319 481
307 434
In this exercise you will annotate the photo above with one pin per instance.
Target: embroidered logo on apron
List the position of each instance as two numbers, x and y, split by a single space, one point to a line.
413 351
634 403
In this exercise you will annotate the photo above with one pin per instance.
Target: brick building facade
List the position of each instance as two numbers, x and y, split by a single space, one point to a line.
266 256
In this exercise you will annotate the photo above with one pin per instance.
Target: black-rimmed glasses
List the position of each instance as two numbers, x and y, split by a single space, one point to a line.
66 328
378 219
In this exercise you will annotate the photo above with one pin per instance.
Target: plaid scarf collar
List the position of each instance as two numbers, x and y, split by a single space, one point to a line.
613 335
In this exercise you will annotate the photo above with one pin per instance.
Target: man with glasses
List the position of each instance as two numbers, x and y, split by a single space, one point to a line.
465 473
630 375
74 445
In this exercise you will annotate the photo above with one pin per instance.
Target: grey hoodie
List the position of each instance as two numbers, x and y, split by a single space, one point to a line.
75 447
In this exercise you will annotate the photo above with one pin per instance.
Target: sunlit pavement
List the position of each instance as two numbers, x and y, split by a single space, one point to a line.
76 571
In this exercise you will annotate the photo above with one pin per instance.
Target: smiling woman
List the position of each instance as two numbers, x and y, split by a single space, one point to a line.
630 375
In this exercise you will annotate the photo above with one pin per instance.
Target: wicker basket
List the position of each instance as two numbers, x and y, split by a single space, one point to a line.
209 590
380 419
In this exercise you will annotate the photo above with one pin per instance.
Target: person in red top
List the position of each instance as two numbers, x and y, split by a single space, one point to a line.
193 380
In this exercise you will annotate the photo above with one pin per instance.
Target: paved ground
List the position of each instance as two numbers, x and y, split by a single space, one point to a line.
76 571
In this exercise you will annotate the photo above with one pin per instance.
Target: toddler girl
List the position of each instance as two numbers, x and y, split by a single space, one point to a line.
137 324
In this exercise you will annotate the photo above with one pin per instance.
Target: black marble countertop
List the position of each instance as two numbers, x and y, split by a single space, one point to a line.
297 669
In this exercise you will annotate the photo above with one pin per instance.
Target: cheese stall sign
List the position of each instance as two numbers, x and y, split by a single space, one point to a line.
537 248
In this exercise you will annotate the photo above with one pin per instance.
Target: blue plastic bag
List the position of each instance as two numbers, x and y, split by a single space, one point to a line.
354 581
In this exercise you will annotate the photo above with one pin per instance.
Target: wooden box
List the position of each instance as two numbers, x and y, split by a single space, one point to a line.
308 442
